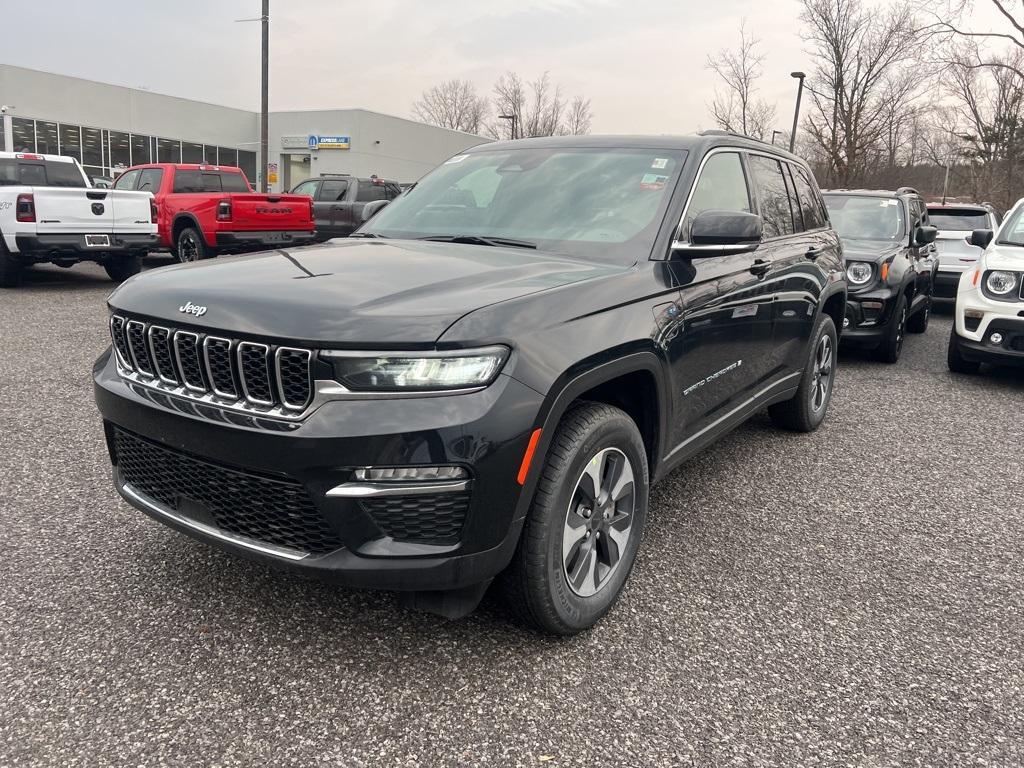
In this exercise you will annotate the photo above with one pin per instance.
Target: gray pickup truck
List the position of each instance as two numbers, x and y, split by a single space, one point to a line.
339 200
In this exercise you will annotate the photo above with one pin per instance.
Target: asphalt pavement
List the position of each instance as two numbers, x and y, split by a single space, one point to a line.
851 597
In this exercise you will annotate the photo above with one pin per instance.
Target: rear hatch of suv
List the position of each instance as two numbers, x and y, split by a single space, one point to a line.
955 225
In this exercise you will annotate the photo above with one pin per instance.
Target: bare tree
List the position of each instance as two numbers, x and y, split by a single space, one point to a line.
859 54
453 104
738 108
536 109
951 20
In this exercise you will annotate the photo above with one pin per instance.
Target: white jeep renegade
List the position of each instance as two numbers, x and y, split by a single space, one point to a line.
988 322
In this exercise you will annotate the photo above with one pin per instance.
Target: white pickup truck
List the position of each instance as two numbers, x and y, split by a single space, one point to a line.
50 213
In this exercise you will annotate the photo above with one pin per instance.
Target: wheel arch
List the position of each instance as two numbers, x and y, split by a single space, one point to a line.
182 221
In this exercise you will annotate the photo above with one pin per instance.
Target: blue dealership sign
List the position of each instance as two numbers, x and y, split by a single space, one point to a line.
330 142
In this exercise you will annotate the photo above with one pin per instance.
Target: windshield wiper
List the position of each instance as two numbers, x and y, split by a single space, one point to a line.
478 240
367 234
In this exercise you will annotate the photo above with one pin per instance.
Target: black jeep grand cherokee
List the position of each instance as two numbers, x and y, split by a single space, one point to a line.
489 378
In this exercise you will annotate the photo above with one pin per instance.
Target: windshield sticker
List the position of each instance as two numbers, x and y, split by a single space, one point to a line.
653 181
456 159
889 202
659 163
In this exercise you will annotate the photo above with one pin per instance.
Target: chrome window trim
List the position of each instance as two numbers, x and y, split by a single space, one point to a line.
177 354
241 371
280 383
170 350
232 396
131 349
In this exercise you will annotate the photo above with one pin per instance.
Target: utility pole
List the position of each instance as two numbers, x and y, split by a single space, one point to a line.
264 101
796 112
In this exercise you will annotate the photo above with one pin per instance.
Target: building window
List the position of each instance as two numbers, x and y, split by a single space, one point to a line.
24 135
46 138
120 150
226 156
71 141
140 149
247 162
191 153
92 148
168 151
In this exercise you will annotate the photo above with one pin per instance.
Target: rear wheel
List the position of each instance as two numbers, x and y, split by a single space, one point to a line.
805 411
891 348
190 246
120 268
584 526
955 360
11 267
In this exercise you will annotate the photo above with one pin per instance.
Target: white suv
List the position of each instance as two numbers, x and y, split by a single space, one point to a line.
988 322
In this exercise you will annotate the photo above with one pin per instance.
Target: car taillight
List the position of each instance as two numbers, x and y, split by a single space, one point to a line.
152 211
26 207
224 210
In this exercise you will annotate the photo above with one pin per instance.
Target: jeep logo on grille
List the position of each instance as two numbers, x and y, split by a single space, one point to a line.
191 309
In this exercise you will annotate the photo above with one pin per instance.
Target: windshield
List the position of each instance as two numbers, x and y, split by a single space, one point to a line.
865 218
602 204
1012 231
958 219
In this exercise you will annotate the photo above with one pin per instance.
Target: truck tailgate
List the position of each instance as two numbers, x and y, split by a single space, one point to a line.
73 209
255 212
131 212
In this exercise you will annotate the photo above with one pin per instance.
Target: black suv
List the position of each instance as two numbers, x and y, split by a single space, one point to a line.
341 203
483 388
891 261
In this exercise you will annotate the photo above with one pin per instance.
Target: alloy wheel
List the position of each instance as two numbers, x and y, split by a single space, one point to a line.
188 248
821 383
901 329
598 522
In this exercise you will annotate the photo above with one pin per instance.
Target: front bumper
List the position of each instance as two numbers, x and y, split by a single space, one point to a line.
867 319
485 432
249 239
1009 351
977 317
73 244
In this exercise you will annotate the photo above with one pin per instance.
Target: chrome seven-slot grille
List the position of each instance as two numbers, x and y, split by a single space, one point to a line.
238 373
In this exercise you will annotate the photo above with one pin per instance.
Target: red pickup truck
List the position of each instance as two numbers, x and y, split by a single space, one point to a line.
203 210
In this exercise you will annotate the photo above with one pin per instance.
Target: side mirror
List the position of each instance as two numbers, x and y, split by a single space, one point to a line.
372 209
981 237
719 233
925 235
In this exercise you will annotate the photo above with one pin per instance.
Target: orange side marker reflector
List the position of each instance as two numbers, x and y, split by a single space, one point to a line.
885 271
524 468
974 280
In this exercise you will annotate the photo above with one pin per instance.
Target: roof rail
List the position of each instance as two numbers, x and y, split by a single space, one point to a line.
733 134
907 191
335 174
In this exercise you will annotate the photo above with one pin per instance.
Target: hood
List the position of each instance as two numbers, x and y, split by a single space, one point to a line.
875 251
352 292
1008 257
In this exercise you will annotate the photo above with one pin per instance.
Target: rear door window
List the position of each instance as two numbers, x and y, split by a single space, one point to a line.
773 195
233 182
806 200
188 181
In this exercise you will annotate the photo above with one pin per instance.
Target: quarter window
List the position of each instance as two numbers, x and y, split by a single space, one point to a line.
233 182
772 195
722 186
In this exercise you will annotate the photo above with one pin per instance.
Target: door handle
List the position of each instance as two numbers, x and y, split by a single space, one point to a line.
813 253
760 267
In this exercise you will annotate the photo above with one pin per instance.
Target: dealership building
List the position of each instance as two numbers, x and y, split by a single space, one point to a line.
109 127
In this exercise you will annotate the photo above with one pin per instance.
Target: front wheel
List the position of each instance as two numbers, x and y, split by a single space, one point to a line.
956 362
919 322
120 268
190 246
805 411
891 348
584 526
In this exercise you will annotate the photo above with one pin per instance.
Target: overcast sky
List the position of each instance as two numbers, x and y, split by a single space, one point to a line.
641 62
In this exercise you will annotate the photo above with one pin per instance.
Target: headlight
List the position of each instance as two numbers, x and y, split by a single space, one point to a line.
859 272
1001 283
401 371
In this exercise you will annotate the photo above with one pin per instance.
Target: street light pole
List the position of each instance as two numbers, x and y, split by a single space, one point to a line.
774 134
511 117
796 112
264 101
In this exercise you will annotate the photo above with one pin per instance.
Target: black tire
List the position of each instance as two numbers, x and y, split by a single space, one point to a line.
957 362
891 348
805 411
536 585
918 322
190 246
11 267
120 268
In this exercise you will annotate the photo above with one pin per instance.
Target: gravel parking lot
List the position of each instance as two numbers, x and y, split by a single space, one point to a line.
852 597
